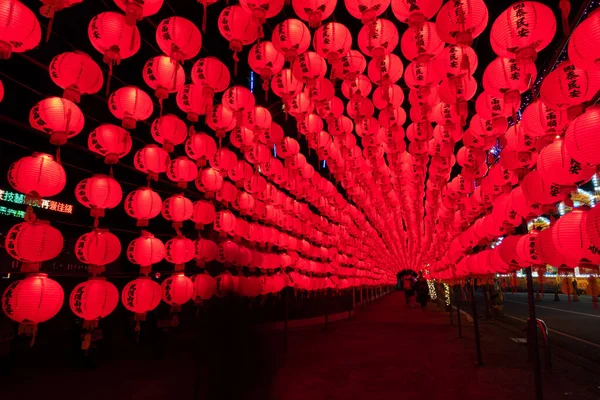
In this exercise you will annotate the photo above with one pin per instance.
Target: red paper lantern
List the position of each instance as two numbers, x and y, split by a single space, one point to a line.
238 27
58 117
459 22
113 37
179 38
378 38
509 77
556 164
191 99
37 176
136 10
291 37
221 120
308 67
583 51
145 250
569 238
261 10
351 64
541 120
152 160
33 242
224 283
212 75
99 193
581 139
179 251
238 99
140 296
313 11
209 181
163 75
523 30
331 41
32 300
257 119
265 60
182 170
225 223
110 141
19 29
206 251
458 90
203 213
200 147
177 289
415 12
421 42
205 287
98 247
77 73
143 204
94 299
366 10
169 131
130 104
285 85
177 209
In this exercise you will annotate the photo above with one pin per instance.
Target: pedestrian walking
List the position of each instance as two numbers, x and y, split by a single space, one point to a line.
408 284
422 289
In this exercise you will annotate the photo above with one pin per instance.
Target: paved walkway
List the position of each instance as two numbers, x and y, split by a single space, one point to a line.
391 351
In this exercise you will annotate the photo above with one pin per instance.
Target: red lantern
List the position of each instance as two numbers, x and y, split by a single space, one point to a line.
291 37
556 164
331 41
313 11
94 299
37 176
509 78
238 99
351 64
568 87
58 117
191 99
200 147
177 289
98 247
583 51
224 283
459 22
456 60
378 38
163 75
415 12
523 30
113 37
265 60
285 85
238 27
581 138
179 251
225 223
143 204
145 251
205 287
261 10
227 252
308 67
569 238
177 209
421 42
99 193
203 213
182 170
206 251
32 300
209 181
212 75
179 38
366 10
169 131
136 10
19 28
140 296
76 73
110 141
221 120
385 71
541 120
224 160
151 160
33 242
130 104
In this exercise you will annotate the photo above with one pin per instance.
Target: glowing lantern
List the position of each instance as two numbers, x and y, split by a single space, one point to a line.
238 99
94 299
357 88
77 73
308 67
177 289
140 296
203 213
581 139
415 12
143 204
206 251
421 42
378 39
257 119
331 41
19 28
224 223
385 71
238 27
351 64
32 300
110 141
224 160
224 283
114 38
221 120
58 117
509 78
164 76
212 75
313 11
523 30
145 251
37 176
366 10
179 38
169 131
205 287
261 10
461 21
151 160
177 209
179 251
291 37
200 147
192 100
33 242
569 238
456 60
583 52
556 164
285 85
136 10
182 170
98 247
99 193
543 121
209 181
568 87
265 60
130 104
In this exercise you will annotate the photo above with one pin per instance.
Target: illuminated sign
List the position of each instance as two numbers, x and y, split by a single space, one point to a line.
18 198
11 212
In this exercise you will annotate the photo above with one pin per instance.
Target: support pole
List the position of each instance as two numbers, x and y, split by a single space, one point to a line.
353 303
458 296
326 309
286 302
450 299
362 304
532 339
476 327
